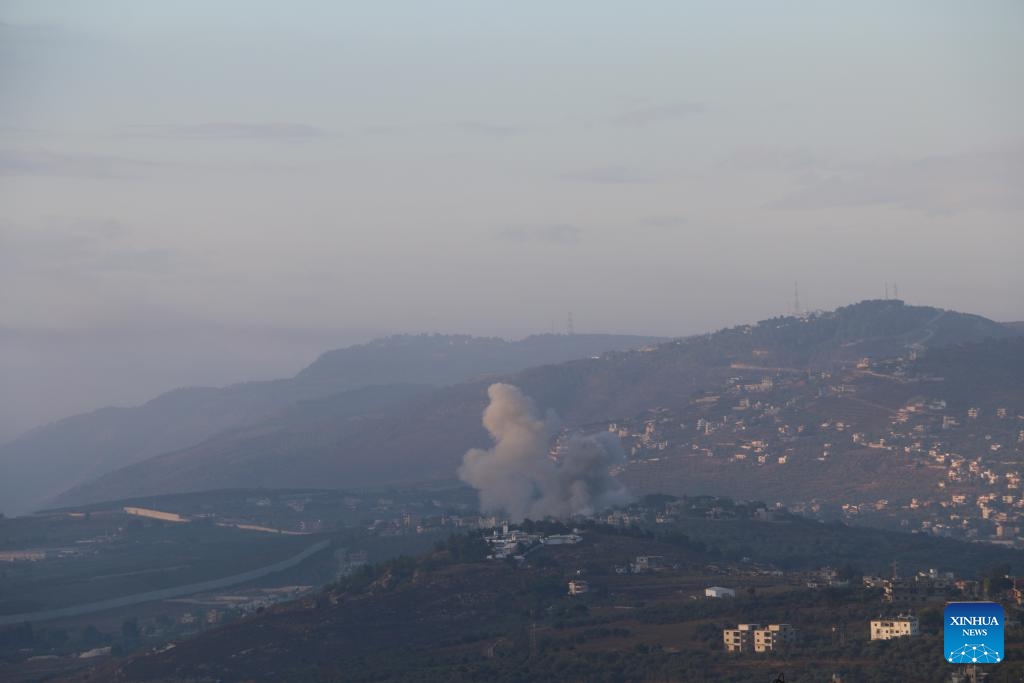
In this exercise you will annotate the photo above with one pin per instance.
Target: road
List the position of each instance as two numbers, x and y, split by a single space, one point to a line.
164 593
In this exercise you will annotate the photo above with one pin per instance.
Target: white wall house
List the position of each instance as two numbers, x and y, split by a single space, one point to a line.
898 627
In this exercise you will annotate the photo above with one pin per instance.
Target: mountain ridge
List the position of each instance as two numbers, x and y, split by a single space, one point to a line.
55 457
426 436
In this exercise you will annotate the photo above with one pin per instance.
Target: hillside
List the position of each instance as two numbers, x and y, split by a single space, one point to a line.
450 615
41 464
426 437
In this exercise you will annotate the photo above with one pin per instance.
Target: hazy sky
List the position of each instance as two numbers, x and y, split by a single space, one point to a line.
202 192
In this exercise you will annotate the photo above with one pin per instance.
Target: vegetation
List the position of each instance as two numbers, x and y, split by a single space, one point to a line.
451 615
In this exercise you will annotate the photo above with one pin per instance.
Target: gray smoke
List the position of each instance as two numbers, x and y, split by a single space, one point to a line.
519 477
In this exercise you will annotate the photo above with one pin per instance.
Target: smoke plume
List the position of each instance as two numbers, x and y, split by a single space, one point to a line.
518 476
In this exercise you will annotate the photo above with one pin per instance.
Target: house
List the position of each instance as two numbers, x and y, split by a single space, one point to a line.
898 627
647 563
774 637
741 638
561 539
719 592
753 638
578 587
1018 591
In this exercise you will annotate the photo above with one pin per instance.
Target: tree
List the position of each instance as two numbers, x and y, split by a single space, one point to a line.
130 628
130 634
91 637
56 637
998 579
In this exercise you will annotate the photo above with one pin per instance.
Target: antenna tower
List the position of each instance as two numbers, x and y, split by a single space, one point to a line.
569 329
796 299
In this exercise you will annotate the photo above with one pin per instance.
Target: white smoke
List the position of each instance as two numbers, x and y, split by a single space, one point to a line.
518 477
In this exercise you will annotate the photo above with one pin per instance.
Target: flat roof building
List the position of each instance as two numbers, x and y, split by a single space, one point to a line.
754 638
774 637
898 627
741 638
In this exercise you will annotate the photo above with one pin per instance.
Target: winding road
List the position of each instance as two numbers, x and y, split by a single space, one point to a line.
164 593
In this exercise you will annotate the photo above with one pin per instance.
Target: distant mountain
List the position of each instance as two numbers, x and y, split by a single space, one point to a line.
443 360
426 436
1015 327
41 464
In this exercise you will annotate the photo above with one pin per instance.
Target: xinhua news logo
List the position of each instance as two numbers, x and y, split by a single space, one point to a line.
973 633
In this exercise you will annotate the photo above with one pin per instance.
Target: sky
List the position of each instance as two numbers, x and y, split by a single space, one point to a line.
197 193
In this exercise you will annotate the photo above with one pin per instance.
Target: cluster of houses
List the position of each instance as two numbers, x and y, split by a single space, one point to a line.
979 497
775 637
757 420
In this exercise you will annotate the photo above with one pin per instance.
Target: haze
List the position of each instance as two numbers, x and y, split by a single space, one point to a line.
197 193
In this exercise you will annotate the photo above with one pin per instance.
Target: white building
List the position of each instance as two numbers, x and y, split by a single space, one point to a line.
561 539
754 638
719 592
578 587
898 627
773 637
741 638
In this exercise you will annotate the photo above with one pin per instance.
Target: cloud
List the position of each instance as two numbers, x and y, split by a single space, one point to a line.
40 162
19 132
229 130
979 180
645 116
489 129
784 159
560 233
77 247
609 174
665 221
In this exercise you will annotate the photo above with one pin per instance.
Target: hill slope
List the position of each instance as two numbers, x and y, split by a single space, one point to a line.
445 617
426 437
51 459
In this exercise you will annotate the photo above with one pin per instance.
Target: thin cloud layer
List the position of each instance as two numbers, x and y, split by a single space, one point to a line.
665 221
645 116
77 248
609 174
42 162
981 180
561 233
230 130
489 128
